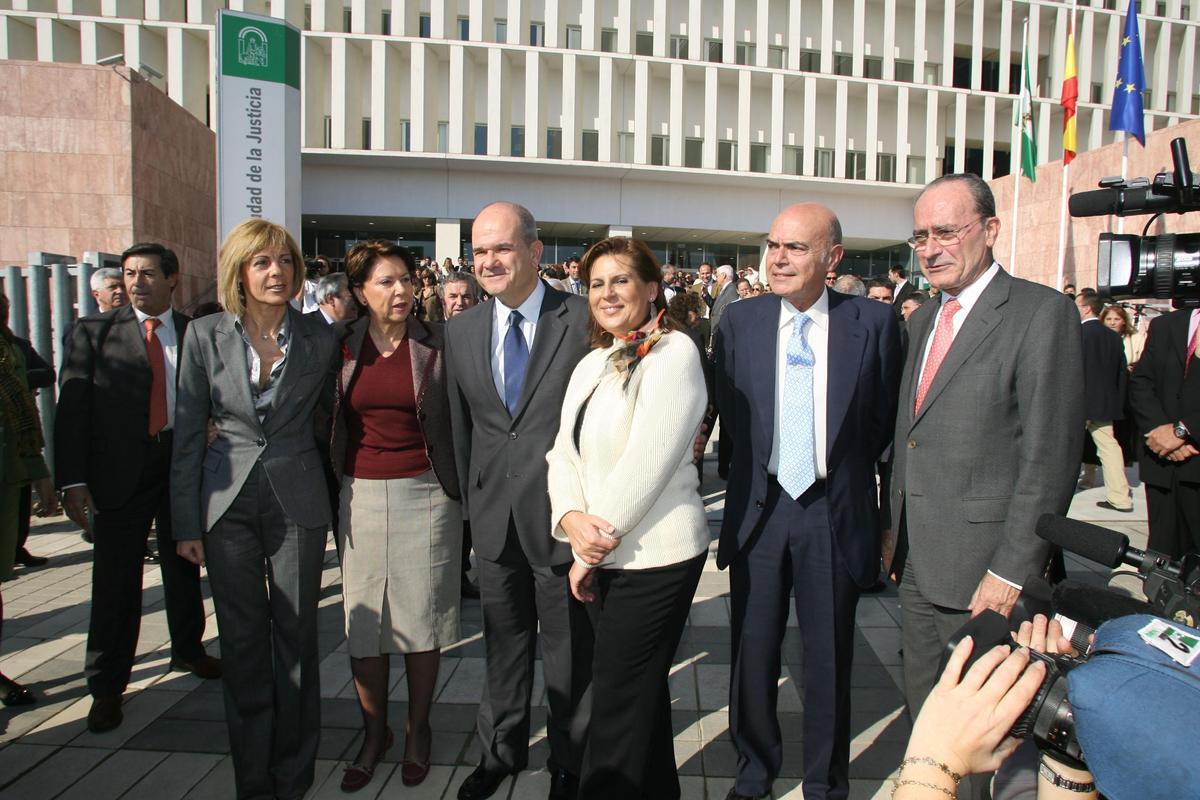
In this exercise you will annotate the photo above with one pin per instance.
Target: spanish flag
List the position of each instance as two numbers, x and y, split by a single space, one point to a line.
1070 96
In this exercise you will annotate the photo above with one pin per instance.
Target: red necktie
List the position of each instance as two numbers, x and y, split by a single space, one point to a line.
158 377
943 337
1191 351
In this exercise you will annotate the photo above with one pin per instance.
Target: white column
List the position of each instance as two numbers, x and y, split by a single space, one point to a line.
497 101
931 138
827 13
517 29
919 41
476 22
1034 47
794 39
989 135
711 100
291 12
589 29
777 114
380 78
458 99
641 110
417 121
607 130
810 123
762 32
554 34
675 140
1043 131
743 121
889 40
535 122
695 30
1161 66
186 82
977 46
661 33
960 132
201 12
948 42
570 108
1184 90
840 115
621 230
903 146
1083 48
326 15
440 23
338 87
447 235
872 131
624 18
1058 54
1006 15
729 33
859 38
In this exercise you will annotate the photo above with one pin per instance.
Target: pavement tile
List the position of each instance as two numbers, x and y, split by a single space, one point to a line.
115 775
175 775
55 774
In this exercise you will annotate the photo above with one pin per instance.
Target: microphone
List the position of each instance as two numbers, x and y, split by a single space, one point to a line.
1088 607
1101 545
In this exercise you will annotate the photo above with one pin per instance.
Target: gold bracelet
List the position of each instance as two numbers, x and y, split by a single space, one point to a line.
933 763
948 792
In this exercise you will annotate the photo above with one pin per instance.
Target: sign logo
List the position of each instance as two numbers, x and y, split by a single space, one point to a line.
252 47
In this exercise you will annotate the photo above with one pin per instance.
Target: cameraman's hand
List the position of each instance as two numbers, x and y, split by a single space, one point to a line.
964 724
1044 635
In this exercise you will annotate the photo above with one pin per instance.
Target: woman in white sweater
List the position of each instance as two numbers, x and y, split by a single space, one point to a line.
623 492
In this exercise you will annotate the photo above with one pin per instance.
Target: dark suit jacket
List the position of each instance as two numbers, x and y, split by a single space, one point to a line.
104 405
214 383
502 459
1159 395
996 444
426 341
1104 372
906 291
864 368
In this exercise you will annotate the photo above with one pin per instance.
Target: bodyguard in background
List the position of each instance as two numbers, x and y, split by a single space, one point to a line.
113 435
252 503
508 363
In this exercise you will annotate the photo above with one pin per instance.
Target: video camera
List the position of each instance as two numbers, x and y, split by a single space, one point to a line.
1130 266
1173 590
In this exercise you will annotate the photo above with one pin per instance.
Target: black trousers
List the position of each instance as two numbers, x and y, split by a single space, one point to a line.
1173 514
638 618
793 552
118 560
519 601
265 573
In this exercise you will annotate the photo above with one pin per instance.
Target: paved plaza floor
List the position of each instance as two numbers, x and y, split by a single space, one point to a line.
173 741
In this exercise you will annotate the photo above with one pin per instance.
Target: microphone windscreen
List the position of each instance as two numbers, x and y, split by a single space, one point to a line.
1097 203
1093 606
1094 543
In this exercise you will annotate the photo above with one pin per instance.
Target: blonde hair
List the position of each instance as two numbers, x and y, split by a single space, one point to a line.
249 237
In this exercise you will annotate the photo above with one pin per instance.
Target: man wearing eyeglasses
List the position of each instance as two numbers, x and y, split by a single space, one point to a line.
988 434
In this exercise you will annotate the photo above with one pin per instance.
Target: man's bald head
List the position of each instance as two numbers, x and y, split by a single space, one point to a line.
805 242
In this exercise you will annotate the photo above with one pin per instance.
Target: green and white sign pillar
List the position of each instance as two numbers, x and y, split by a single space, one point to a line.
258 121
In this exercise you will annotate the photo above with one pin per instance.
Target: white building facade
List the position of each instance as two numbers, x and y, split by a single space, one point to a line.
686 123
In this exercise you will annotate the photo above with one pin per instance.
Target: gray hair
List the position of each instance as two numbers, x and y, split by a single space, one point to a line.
850 284
102 275
526 223
459 276
727 271
331 285
981 193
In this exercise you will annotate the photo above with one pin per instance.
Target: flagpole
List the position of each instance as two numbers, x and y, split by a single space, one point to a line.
1018 131
1124 172
1062 211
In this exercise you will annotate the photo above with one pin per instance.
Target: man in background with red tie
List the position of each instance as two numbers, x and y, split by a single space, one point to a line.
112 448
988 433
1164 392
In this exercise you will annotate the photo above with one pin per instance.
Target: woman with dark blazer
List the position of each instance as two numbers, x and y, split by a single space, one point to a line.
400 524
252 500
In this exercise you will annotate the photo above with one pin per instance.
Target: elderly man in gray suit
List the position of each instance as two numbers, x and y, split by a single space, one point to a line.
988 432
508 363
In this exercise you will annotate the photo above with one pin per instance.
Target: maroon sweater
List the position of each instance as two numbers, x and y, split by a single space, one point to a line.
385 438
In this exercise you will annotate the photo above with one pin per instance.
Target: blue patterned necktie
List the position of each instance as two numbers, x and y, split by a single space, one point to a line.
516 357
797 447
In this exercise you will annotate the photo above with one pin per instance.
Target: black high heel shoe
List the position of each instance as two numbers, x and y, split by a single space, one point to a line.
14 694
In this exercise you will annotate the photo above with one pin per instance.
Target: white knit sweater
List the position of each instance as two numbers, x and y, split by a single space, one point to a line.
634 467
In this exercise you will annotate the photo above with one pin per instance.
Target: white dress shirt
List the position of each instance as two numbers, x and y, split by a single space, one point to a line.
170 345
896 289
818 342
530 310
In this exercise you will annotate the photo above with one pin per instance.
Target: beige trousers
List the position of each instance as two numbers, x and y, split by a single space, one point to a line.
1112 463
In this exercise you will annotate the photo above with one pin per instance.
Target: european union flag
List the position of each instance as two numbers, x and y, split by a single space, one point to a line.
1127 113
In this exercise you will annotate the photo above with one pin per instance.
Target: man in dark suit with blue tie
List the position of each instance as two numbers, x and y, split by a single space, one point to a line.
807 381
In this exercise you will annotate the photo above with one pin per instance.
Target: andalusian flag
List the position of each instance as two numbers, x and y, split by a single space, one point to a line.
1070 96
1025 120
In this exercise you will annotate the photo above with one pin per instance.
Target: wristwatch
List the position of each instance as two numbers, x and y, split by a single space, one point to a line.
1060 782
1181 431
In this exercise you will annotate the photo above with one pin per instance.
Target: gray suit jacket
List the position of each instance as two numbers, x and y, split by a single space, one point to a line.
727 296
214 384
501 458
996 444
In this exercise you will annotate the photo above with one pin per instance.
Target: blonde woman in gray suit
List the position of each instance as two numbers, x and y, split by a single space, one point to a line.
252 502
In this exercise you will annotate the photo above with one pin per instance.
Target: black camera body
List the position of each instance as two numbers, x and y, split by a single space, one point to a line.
1128 266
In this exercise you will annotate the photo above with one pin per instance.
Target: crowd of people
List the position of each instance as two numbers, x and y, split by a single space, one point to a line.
552 421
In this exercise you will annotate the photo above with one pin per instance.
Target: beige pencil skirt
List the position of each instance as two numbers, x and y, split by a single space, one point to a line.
401 557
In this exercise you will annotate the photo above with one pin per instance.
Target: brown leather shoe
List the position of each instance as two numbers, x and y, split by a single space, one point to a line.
205 666
105 713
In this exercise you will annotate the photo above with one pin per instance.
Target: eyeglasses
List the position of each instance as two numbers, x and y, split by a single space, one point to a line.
943 236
